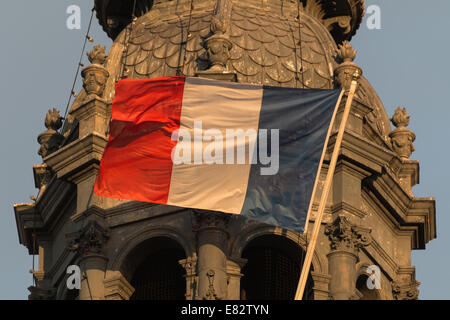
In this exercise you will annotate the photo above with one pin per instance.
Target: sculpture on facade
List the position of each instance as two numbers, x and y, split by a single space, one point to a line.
95 75
402 138
51 138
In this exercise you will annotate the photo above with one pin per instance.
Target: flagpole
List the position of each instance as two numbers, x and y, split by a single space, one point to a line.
319 169
326 189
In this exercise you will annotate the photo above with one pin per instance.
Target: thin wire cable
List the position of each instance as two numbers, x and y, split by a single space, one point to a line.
189 35
127 40
184 43
300 41
72 92
89 287
295 44
293 41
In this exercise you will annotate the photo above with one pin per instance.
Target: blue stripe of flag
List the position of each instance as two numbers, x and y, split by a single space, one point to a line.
303 117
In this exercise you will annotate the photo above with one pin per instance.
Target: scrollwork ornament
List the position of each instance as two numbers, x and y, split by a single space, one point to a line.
405 291
346 236
90 240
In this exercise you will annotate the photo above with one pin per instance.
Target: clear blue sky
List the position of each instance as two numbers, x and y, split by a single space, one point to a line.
406 62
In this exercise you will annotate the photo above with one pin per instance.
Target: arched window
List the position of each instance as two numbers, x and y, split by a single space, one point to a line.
272 270
157 274
364 290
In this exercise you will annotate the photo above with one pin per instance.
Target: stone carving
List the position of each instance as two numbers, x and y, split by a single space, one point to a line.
316 10
211 293
343 27
218 46
347 236
405 291
42 175
265 47
204 219
97 55
346 70
89 240
95 75
402 138
51 139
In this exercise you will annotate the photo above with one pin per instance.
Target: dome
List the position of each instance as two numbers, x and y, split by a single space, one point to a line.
168 39
342 17
265 45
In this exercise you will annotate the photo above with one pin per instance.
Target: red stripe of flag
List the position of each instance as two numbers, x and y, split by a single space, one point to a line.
137 164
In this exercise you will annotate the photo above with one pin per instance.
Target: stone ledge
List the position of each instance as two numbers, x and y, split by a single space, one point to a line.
77 155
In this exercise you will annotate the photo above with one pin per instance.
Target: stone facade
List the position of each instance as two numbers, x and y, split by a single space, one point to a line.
371 218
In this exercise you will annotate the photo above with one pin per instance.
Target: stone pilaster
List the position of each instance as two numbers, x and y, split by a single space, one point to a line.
190 265
408 175
88 244
78 161
93 116
321 285
345 239
234 268
212 257
117 286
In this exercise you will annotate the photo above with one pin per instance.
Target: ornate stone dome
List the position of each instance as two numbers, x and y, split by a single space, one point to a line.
280 43
343 17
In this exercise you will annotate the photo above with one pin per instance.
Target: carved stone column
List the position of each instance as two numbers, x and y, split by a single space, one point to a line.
212 257
89 243
346 240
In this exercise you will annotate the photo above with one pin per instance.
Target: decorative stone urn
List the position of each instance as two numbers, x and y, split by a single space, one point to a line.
95 75
50 139
347 69
218 46
402 138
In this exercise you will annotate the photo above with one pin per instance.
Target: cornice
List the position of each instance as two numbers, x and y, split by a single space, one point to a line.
366 154
77 155
406 213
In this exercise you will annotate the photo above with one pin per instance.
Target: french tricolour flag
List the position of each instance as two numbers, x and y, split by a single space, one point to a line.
229 147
